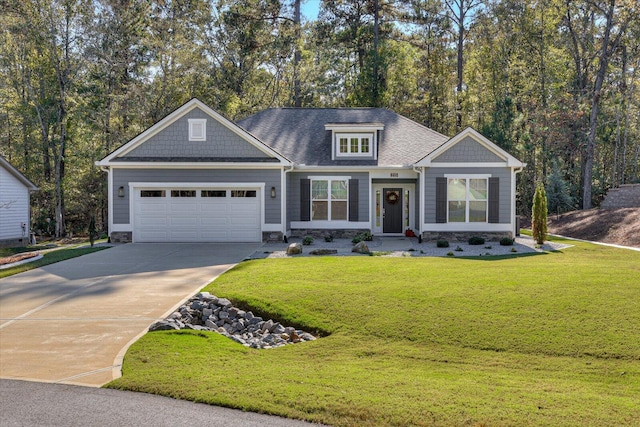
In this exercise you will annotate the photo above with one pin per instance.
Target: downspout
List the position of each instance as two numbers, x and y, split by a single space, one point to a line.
516 232
420 172
109 199
283 204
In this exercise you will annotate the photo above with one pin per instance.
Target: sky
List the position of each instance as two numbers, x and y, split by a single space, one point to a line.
310 9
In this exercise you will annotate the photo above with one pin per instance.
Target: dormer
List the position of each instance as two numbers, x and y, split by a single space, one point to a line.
350 141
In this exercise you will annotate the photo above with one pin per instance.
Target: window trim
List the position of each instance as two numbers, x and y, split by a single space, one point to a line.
329 200
192 124
350 135
468 178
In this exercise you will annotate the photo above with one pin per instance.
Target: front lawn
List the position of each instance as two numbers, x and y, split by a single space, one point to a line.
551 339
49 258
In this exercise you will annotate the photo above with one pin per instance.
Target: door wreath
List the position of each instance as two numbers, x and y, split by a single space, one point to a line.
392 197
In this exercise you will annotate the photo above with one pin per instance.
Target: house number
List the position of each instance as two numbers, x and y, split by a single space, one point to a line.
394 174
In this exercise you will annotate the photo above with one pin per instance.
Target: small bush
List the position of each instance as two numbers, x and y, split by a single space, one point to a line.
514 250
488 247
307 240
328 238
475 240
458 249
442 244
449 253
506 241
366 236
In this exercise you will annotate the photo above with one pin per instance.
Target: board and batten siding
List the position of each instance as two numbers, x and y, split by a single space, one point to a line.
293 192
270 177
14 206
173 141
504 174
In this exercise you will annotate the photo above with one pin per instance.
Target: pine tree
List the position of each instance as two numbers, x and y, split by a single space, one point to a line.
558 196
539 215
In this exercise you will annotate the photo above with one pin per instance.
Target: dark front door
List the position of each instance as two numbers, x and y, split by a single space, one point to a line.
392 204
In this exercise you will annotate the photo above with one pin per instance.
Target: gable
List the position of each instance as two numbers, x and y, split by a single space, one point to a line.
194 133
174 142
469 147
468 150
9 174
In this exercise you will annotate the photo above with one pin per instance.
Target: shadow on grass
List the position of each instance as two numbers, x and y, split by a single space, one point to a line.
505 257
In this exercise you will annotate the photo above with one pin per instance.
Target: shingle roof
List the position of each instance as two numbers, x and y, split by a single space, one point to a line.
300 135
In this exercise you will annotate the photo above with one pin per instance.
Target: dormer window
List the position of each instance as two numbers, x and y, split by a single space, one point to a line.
354 144
197 129
354 140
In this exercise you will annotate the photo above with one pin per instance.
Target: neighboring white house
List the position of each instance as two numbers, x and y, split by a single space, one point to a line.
15 213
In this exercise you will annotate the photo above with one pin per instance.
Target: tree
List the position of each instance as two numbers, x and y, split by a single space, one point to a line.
539 215
558 195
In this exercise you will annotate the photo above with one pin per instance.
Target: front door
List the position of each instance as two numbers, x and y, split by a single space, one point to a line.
392 204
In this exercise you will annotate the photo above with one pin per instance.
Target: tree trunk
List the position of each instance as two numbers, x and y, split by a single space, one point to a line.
296 57
605 55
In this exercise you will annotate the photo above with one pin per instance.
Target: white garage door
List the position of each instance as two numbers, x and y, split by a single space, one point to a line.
197 215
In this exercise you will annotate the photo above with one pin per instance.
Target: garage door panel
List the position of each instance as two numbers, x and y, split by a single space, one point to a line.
215 235
214 222
151 207
182 221
149 221
183 207
153 236
217 217
184 236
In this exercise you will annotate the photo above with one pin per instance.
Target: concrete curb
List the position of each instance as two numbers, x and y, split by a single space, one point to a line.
611 245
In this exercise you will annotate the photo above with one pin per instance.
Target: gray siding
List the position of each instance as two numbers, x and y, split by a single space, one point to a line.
293 193
430 189
122 177
173 141
467 150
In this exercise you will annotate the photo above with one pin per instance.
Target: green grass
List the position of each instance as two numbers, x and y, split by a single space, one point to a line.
551 339
49 258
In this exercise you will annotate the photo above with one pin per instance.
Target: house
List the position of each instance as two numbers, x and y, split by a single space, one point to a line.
15 212
195 176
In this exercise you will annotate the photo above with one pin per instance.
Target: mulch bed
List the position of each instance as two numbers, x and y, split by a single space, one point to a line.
19 257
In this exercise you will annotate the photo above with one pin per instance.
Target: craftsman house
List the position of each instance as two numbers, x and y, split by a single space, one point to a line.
195 176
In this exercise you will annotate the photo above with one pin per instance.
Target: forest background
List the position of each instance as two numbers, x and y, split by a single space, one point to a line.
554 82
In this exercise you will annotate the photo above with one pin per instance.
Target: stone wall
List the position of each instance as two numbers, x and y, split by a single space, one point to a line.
321 233
121 237
625 196
464 236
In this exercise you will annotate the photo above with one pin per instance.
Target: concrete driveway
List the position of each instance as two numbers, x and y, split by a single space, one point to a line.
71 322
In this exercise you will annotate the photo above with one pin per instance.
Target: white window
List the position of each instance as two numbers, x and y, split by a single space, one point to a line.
354 144
329 199
467 199
197 129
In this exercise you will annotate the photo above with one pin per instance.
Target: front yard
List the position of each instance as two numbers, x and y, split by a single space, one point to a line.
550 339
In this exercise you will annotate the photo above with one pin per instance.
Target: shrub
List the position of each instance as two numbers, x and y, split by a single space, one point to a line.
307 240
458 249
449 253
475 240
506 241
366 236
328 238
442 244
539 215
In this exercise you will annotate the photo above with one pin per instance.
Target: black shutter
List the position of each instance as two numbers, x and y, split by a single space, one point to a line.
441 200
494 200
353 200
305 200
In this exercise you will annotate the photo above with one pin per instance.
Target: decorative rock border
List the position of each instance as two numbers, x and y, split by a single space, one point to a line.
206 312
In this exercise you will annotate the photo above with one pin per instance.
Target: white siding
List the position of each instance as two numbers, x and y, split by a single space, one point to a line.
14 206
